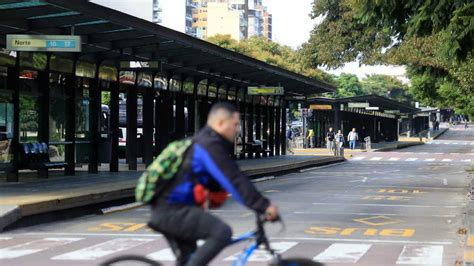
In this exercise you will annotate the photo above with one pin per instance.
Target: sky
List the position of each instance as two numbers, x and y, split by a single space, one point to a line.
291 26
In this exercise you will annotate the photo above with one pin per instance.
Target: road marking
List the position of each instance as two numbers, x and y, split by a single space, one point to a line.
343 253
103 249
394 159
424 255
376 159
373 213
358 158
154 235
5 238
377 220
262 255
454 153
387 205
34 247
446 160
411 159
162 255
466 160
445 181
439 153
429 159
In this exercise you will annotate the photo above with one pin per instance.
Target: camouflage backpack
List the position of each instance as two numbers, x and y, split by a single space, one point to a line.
162 170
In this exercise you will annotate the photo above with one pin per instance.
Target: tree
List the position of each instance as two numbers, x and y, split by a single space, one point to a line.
272 53
388 86
348 86
435 39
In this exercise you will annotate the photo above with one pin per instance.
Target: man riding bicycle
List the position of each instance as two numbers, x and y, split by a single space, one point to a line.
207 168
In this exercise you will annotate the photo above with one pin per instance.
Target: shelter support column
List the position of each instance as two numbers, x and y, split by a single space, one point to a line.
180 119
94 114
265 126
250 124
278 129
131 149
13 81
70 151
114 125
271 137
258 124
148 126
283 127
337 116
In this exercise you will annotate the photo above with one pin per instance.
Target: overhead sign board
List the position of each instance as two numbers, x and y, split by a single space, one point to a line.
320 106
392 111
373 108
295 98
265 91
358 105
44 43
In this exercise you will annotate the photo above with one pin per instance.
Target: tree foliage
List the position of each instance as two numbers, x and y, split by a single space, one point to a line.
272 53
349 85
434 39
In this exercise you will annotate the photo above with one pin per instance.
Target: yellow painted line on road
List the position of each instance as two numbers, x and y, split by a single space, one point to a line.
469 256
470 241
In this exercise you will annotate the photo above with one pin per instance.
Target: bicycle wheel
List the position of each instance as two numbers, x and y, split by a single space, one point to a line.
299 262
128 260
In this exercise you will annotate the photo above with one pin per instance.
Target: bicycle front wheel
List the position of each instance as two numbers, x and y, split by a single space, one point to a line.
299 262
130 260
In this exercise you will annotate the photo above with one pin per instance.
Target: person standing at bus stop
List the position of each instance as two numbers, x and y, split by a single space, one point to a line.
330 140
352 137
289 139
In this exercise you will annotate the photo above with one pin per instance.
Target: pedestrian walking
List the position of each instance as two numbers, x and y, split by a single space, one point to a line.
310 138
352 138
289 139
330 140
339 138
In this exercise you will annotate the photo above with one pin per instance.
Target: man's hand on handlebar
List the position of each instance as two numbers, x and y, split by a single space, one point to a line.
271 213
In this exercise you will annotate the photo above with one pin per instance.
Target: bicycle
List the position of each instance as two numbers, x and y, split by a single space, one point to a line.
258 236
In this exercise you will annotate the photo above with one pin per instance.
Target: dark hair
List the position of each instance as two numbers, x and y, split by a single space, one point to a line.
226 106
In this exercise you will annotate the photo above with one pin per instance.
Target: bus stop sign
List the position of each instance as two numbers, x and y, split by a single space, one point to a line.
44 43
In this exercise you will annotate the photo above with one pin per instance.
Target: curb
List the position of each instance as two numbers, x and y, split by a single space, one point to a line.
399 146
13 213
440 132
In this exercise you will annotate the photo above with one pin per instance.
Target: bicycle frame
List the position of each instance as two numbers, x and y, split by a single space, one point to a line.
260 238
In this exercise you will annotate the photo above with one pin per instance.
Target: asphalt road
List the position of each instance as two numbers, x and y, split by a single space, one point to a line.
403 207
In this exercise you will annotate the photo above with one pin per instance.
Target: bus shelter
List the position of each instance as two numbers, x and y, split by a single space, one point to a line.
133 87
372 116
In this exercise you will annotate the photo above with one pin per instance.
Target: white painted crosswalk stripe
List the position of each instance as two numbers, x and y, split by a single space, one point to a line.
262 255
394 159
421 255
162 255
376 159
358 158
103 249
466 160
34 247
446 160
429 159
411 159
343 253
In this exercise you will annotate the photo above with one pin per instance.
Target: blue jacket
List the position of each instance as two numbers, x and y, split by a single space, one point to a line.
208 162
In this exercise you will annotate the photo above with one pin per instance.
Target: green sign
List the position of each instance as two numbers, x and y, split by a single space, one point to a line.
265 91
44 43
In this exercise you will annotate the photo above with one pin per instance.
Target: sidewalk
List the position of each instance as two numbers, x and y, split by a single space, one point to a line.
403 142
43 196
376 147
